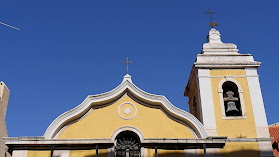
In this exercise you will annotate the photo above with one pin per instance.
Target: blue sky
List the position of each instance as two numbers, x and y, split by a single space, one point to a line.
67 50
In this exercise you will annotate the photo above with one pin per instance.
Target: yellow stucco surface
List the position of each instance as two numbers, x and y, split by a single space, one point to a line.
166 153
154 123
38 153
233 128
88 153
102 122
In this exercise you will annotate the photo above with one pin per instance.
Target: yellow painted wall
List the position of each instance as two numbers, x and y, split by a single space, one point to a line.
101 123
88 153
38 153
238 127
166 153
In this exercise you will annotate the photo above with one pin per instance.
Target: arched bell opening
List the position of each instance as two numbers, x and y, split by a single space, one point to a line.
231 99
127 144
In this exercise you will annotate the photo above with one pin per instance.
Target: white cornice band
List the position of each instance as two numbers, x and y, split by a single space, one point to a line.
126 85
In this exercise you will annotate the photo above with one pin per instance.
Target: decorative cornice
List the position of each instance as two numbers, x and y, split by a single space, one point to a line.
125 86
275 124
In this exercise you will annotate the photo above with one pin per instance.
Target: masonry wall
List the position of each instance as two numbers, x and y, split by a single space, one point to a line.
4 98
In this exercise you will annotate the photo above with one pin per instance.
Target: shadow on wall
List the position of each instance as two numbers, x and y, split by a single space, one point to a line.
99 155
243 153
159 155
172 155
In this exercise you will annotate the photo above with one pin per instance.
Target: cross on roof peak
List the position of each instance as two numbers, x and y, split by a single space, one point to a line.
127 62
211 23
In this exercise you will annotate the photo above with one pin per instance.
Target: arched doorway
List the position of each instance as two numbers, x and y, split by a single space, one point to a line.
127 144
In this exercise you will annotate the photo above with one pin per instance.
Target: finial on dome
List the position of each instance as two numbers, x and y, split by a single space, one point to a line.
214 36
216 46
127 77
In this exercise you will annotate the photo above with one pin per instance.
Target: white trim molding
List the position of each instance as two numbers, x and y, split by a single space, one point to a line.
258 111
257 103
61 153
127 128
107 98
20 153
241 97
206 102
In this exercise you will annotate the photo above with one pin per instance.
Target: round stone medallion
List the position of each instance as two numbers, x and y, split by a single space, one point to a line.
127 110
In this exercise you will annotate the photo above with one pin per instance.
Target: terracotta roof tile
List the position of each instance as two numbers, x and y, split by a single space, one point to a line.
274 132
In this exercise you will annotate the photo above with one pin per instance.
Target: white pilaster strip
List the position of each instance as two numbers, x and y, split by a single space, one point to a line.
258 111
265 149
20 153
192 152
61 153
144 152
256 99
206 102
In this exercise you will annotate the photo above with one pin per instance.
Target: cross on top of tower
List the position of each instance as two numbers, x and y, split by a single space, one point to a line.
211 23
127 62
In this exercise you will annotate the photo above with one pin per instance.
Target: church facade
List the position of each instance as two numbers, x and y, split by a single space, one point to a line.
227 116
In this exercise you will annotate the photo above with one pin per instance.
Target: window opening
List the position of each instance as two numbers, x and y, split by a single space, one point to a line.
231 99
195 108
127 145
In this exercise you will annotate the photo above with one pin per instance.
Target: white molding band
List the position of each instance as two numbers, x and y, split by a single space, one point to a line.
231 76
125 86
206 102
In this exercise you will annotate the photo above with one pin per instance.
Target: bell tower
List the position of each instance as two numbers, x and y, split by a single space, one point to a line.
224 91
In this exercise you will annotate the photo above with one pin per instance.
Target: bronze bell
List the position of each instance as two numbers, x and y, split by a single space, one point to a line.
231 106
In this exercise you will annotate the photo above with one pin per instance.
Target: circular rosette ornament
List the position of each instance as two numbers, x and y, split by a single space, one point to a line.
127 110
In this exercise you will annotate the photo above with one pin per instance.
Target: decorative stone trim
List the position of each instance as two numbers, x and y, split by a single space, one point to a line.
249 140
72 122
241 97
240 76
127 128
125 86
118 111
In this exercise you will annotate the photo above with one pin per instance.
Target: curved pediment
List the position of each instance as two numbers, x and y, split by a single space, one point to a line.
138 95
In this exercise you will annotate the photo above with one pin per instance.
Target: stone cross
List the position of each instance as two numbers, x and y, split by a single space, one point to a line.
127 62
